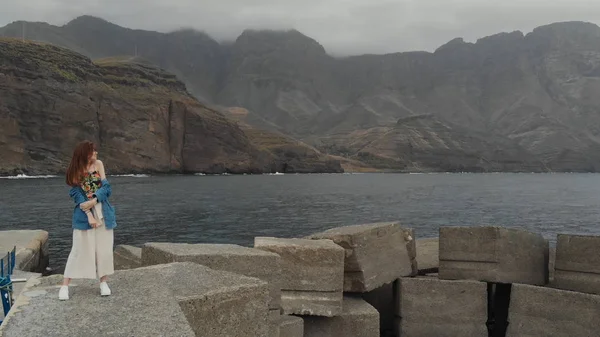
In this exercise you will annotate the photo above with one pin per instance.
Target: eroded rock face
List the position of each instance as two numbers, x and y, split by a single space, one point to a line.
141 118
509 102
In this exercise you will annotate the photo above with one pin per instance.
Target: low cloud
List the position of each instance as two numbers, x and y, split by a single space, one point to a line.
344 27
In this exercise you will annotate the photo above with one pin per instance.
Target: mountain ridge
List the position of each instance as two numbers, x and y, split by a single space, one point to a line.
514 101
142 119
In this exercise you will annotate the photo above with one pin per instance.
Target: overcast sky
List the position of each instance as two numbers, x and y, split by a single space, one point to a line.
342 26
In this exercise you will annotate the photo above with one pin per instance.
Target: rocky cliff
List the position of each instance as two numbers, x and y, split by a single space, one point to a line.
507 102
142 119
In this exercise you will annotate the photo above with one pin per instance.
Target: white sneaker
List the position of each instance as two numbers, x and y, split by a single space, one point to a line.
104 289
63 293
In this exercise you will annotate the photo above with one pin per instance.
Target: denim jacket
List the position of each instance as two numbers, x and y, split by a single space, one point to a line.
80 220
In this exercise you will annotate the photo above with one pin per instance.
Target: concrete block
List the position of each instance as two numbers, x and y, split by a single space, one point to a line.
577 265
383 299
127 257
291 326
32 248
551 264
179 299
376 254
284 325
441 308
233 258
493 254
358 319
312 274
428 255
274 320
541 311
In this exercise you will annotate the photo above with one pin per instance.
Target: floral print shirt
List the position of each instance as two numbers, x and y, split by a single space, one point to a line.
90 183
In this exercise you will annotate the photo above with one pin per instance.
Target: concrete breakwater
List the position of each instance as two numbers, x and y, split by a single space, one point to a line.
357 281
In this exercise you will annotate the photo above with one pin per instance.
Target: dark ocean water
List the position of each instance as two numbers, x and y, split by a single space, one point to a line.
235 209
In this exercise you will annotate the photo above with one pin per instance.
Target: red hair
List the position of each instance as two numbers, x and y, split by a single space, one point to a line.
79 163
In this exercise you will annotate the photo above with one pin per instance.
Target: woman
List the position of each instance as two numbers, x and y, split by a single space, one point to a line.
91 255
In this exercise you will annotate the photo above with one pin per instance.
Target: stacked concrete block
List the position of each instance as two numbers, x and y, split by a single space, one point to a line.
577 265
428 255
441 308
312 275
493 254
127 257
384 300
285 325
179 299
233 258
541 311
32 252
358 319
274 317
291 326
376 254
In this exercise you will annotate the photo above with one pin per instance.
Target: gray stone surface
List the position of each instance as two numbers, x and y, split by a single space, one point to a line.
541 311
32 248
315 303
577 265
274 320
179 299
383 300
307 264
428 255
312 274
441 308
551 264
493 254
358 319
376 254
18 285
127 257
19 275
291 326
233 258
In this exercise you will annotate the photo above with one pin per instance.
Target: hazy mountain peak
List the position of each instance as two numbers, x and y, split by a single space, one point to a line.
569 27
269 39
458 42
502 37
89 20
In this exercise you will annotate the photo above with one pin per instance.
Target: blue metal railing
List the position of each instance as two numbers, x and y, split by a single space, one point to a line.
7 267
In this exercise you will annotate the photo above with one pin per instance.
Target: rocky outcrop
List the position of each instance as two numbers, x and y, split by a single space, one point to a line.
141 118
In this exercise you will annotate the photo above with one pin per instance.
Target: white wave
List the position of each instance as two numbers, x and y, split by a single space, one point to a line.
275 174
199 174
24 176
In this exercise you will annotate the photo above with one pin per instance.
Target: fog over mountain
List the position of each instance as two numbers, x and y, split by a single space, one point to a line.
343 27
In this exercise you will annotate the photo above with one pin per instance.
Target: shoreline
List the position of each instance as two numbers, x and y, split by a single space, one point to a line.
199 174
